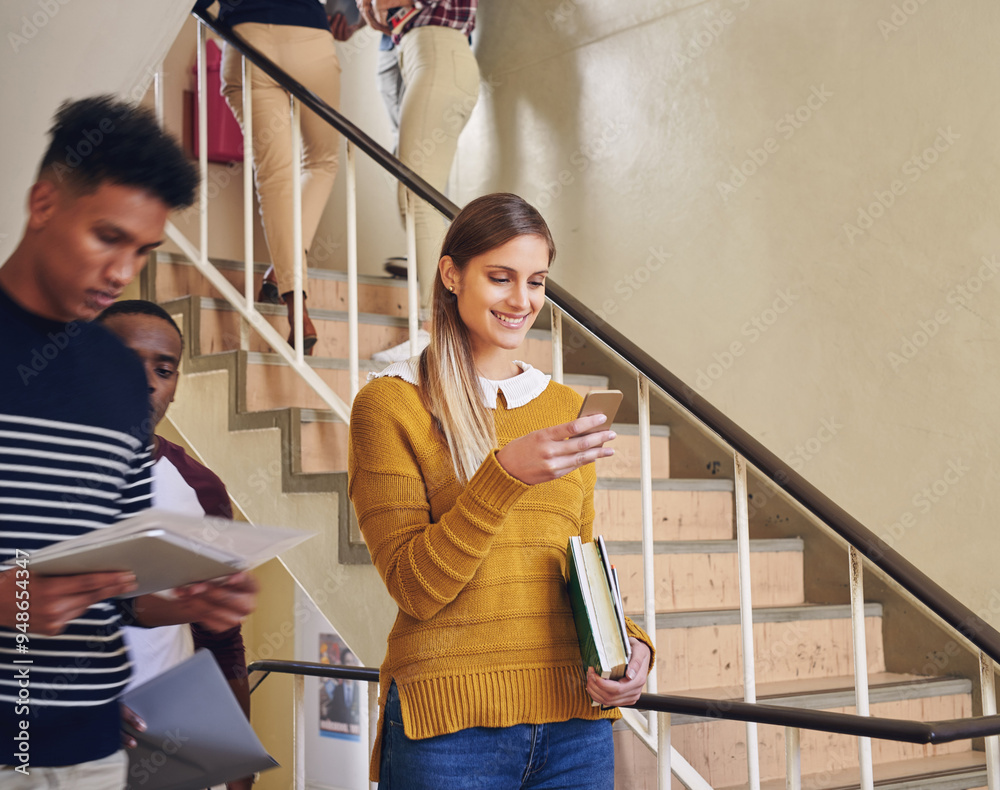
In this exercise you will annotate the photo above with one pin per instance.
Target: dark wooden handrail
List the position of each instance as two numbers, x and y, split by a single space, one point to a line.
904 730
878 552
313 669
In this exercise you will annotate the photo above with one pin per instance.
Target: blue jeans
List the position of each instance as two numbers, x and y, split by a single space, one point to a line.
575 755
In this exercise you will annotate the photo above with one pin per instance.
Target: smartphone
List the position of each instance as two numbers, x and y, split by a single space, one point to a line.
604 402
401 17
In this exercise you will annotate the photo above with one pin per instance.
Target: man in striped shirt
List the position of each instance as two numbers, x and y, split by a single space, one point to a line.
74 435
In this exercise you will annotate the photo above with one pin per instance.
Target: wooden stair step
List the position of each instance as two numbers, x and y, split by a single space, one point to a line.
702 648
704 574
697 618
326 288
273 384
826 693
957 771
724 762
895 696
625 463
320 431
220 331
964 770
683 509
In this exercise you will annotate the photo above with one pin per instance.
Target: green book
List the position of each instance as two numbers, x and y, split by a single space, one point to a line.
590 593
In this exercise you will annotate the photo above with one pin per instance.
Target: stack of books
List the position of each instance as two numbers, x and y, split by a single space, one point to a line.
597 608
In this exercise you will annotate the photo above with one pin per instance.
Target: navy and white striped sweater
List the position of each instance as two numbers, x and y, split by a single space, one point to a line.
74 433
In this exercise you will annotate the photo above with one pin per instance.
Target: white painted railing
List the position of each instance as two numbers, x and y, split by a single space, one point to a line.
244 303
742 511
987 673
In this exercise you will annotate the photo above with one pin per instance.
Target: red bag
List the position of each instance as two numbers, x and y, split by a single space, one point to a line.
225 137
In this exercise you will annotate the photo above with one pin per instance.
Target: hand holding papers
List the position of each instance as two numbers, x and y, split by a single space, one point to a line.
196 735
166 550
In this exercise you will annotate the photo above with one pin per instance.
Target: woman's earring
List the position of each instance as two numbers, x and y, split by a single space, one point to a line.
451 288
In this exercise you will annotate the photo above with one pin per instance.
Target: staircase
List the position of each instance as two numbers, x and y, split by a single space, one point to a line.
283 457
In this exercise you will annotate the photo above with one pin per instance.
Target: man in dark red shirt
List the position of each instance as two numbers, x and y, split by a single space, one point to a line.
181 485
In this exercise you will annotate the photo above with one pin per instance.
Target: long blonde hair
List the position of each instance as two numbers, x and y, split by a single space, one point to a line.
449 382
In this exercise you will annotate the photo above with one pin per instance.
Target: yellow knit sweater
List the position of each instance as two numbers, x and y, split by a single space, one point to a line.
484 635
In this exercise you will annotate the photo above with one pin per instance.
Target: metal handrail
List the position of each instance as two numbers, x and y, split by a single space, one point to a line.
311 668
878 552
903 730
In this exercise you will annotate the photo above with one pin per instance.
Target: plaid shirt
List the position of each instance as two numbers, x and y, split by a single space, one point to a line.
459 14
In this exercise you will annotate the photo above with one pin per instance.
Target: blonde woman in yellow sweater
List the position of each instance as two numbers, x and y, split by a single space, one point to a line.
468 476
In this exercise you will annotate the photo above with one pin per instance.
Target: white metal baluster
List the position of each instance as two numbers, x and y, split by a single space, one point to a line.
202 145
412 292
352 269
988 690
664 751
299 735
248 218
793 759
297 258
658 724
557 345
860 664
746 614
149 273
158 93
646 495
373 692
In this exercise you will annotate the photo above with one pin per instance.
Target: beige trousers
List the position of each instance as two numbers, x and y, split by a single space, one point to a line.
441 87
308 55
108 773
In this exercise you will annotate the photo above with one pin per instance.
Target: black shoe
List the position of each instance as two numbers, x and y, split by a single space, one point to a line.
396 267
269 289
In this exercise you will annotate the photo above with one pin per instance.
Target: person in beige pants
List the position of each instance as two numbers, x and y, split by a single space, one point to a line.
309 56
440 79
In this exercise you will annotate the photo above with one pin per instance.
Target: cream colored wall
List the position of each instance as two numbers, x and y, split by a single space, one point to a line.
817 296
270 633
55 50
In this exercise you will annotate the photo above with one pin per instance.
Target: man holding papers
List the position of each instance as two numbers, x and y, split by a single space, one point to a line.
74 417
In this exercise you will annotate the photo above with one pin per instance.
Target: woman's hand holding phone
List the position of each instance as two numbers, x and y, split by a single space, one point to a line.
604 402
553 452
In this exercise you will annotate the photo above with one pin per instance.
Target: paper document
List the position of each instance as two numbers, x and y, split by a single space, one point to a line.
196 734
167 550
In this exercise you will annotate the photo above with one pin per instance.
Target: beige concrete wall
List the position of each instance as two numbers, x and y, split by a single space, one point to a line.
793 205
270 632
54 50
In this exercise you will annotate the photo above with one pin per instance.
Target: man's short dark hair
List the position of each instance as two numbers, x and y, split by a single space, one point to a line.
103 139
140 307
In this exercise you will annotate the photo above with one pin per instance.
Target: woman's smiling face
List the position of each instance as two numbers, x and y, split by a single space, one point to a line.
500 293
